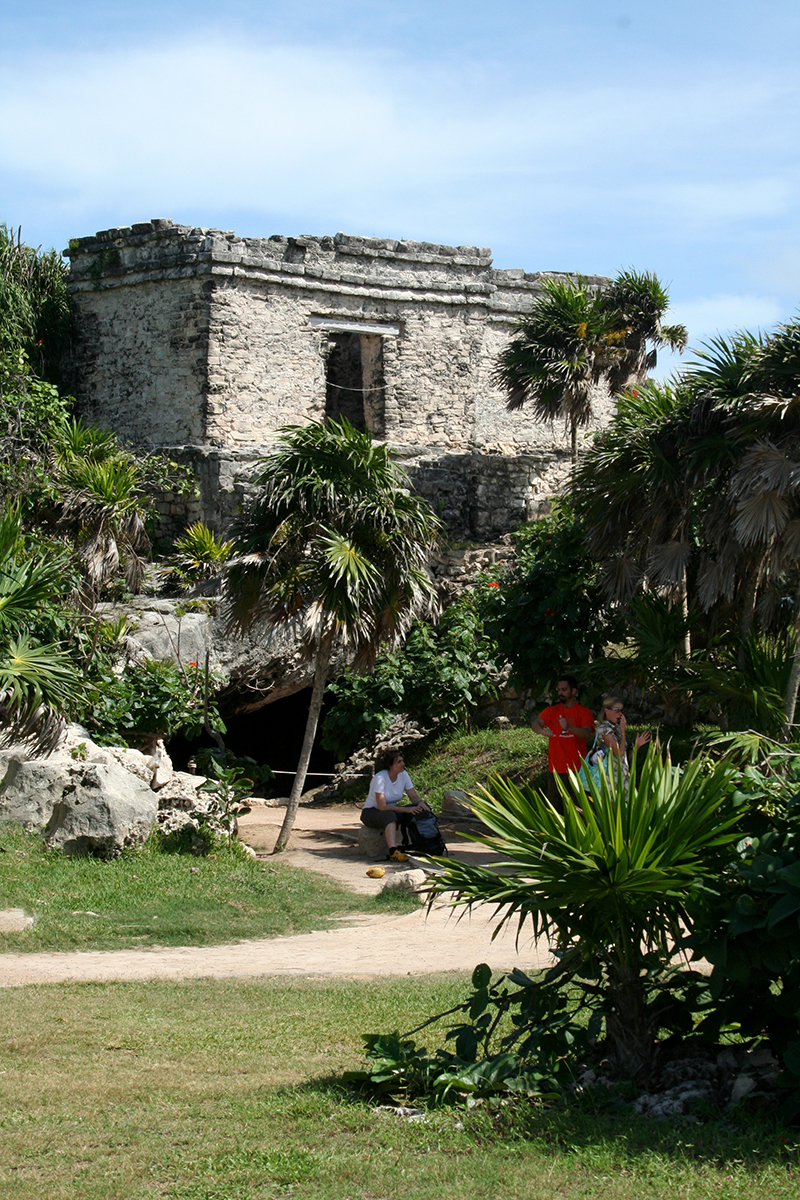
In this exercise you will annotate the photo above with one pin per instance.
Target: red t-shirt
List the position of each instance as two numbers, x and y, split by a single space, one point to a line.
565 751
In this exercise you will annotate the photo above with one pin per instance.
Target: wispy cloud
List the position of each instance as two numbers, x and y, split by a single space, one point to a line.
329 132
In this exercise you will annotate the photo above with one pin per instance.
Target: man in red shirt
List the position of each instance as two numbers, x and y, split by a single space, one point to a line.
568 726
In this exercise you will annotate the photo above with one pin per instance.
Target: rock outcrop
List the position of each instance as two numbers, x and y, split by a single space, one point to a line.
90 799
80 798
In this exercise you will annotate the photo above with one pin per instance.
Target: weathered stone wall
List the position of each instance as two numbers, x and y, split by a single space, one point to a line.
202 339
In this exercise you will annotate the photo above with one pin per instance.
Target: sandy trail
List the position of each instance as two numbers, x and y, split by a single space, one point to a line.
422 942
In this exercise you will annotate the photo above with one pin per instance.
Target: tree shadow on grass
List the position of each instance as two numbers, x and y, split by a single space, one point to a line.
749 1137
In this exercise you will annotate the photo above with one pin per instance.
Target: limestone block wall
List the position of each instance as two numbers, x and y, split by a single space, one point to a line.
198 339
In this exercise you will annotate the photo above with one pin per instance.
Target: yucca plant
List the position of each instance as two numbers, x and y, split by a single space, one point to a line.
200 554
77 440
608 881
36 681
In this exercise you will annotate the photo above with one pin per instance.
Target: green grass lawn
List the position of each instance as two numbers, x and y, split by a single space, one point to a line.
146 898
466 760
228 1090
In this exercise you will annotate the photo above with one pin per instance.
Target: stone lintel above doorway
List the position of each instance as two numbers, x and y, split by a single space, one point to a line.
344 325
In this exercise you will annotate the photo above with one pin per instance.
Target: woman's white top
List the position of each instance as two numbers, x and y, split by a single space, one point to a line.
392 791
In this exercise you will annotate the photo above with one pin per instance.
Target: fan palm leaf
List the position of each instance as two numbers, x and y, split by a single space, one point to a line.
333 540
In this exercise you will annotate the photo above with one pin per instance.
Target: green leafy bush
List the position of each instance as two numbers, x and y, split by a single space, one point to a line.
547 613
521 1040
34 306
609 881
748 923
438 677
146 700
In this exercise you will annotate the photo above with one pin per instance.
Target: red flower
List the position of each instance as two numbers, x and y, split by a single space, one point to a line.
194 664
497 585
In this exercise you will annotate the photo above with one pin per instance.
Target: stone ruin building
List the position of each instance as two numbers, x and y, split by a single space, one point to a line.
206 343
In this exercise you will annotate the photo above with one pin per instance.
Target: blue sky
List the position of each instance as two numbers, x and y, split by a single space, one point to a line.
578 135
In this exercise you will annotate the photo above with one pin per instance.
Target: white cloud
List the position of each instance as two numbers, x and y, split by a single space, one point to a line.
286 128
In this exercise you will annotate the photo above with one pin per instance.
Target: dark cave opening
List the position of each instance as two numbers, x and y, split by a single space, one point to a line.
272 735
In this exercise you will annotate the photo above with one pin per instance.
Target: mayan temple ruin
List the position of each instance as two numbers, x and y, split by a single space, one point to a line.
206 343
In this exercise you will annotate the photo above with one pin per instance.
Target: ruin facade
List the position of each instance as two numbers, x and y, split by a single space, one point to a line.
205 343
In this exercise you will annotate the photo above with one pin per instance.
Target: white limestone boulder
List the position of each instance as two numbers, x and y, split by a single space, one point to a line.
80 798
405 881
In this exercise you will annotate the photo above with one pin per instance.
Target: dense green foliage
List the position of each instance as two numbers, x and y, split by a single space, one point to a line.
34 307
693 492
437 677
746 922
136 702
547 612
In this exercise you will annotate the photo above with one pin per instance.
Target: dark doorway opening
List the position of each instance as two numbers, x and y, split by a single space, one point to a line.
354 381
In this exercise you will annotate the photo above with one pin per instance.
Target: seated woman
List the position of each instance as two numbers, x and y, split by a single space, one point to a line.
387 786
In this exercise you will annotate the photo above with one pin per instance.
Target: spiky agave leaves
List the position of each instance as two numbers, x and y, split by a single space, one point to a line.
609 879
36 681
610 870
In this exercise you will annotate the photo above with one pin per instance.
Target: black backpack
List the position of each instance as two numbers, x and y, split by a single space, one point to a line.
422 834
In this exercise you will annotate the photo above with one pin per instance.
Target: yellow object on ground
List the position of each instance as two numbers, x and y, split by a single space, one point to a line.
376 872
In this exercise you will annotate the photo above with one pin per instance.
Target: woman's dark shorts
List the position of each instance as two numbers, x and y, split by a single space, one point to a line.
376 818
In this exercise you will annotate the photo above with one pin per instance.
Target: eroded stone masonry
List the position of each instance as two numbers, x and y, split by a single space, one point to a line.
206 343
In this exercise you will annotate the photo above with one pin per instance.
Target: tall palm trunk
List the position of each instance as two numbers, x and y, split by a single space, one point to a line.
749 604
790 700
684 595
321 670
631 1030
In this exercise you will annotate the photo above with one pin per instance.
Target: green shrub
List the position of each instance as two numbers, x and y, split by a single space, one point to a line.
547 613
146 700
748 923
609 881
438 677
199 554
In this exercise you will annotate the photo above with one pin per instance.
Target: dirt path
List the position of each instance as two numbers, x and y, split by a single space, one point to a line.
421 942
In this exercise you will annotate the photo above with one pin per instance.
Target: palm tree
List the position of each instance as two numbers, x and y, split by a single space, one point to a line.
36 681
637 303
637 489
104 507
334 540
609 879
577 337
752 529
